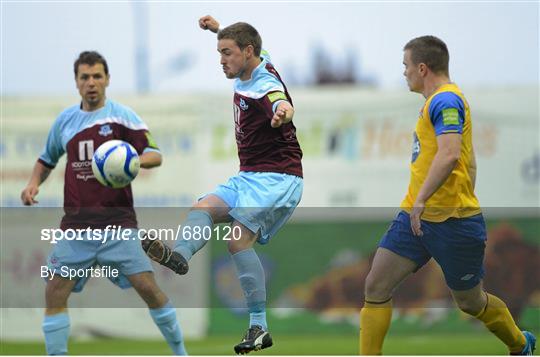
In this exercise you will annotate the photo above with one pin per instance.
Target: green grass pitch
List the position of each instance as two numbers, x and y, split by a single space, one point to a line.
430 344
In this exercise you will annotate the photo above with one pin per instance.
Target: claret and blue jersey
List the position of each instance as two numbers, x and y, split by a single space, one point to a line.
269 186
78 133
262 148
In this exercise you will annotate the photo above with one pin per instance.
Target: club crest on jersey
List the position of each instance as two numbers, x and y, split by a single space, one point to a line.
415 148
105 130
243 104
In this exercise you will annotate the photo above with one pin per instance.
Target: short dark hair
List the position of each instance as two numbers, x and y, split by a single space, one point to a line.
244 35
90 58
429 50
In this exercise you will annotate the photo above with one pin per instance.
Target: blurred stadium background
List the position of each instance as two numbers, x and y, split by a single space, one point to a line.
355 128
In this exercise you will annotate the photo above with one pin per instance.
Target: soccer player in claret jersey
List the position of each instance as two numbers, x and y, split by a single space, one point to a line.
77 131
262 197
440 216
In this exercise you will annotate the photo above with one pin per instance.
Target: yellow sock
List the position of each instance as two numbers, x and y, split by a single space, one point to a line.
499 321
374 322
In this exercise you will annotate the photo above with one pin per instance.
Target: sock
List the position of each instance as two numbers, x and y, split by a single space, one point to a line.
499 321
165 319
250 272
188 247
56 331
374 323
257 316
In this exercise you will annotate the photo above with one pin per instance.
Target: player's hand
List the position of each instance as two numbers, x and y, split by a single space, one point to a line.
209 23
28 194
284 114
416 214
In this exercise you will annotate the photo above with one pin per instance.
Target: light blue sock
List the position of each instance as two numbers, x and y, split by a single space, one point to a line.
188 247
165 319
251 275
258 318
56 331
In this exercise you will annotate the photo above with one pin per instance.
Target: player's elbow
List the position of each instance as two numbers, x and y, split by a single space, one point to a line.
451 155
151 160
158 160
454 157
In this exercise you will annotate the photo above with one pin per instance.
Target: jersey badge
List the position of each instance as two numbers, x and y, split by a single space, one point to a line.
243 104
450 116
105 130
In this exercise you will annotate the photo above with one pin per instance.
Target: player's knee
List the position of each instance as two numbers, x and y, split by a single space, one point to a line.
235 246
201 205
57 293
147 289
377 289
469 304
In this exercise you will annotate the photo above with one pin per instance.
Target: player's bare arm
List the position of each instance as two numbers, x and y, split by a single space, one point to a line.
209 23
39 174
150 159
448 153
283 115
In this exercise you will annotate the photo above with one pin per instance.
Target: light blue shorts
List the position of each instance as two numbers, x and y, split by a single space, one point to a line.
125 255
261 201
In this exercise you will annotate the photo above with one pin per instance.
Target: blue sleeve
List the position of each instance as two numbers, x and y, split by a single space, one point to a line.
53 148
447 113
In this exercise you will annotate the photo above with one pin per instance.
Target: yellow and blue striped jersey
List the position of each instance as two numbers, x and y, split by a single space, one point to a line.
445 111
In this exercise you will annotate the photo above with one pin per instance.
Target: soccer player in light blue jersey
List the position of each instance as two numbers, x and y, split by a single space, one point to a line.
88 204
261 198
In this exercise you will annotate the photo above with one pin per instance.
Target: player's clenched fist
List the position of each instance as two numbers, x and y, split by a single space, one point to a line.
284 114
28 194
209 23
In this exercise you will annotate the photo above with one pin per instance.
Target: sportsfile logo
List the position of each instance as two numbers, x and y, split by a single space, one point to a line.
114 232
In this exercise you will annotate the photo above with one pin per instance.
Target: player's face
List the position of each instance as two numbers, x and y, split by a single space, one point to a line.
412 73
91 83
233 59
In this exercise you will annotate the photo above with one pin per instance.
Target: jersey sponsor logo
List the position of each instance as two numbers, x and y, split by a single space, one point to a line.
86 150
415 147
83 167
81 164
105 130
272 97
85 177
450 116
237 128
243 104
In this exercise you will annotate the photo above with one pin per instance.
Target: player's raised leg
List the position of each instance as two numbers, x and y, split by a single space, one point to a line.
388 270
209 210
250 272
56 322
162 311
495 315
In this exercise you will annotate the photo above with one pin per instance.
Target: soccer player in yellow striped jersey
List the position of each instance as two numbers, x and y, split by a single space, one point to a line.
440 217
